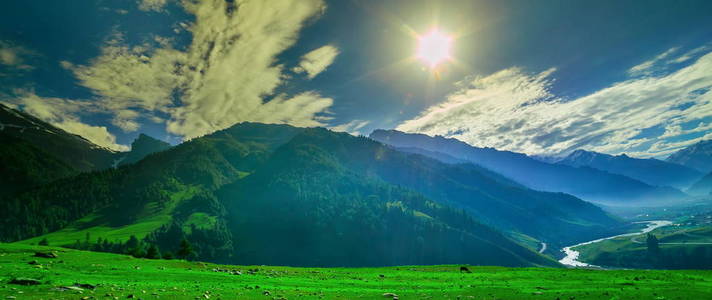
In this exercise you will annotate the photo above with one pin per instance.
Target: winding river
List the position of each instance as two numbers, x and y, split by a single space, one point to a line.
571 258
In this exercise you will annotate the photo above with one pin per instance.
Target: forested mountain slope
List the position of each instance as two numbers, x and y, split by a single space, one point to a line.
240 193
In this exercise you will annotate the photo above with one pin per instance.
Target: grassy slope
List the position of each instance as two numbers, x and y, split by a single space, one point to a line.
119 276
688 237
96 225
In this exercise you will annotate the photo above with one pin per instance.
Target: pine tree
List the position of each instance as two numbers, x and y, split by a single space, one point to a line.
653 244
153 252
43 242
185 249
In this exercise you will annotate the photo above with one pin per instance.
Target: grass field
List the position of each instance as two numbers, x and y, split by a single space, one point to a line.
119 276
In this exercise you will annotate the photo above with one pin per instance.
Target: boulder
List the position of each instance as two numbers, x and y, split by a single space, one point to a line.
24 281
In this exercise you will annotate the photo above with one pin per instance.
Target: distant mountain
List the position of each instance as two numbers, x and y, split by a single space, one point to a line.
72 149
276 194
141 147
703 186
650 171
697 156
585 182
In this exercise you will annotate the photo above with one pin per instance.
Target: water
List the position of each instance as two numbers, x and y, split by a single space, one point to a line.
571 258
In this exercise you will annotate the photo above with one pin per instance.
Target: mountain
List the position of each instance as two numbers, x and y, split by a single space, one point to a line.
24 166
73 150
650 171
142 147
33 153
703 186
585 182
697 156
258 194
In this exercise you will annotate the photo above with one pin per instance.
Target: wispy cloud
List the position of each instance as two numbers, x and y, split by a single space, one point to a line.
317 61
227 74
15 57
517 111
151 5
647 67
353 127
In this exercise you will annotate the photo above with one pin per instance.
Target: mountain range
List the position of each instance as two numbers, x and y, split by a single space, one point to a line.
282 195
697 156
277 194
582 181
651 171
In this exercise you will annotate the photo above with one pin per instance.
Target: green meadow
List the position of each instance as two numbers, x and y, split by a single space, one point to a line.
77 274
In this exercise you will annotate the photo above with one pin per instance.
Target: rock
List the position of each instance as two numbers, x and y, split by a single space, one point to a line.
10 297
85 286
266 293
71 288
130 296
50 254
390 295
24 281
537 293
34 262
381 275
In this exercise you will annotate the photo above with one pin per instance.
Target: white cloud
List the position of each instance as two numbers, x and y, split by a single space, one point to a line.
152 5
647 67
15 57
226 75
63 113
512 110
353 127
316 61
691 54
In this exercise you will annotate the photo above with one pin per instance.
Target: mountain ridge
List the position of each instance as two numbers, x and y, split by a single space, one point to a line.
585 182
697 156
651 171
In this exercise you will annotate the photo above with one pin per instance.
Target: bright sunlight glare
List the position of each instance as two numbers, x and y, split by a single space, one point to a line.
434 47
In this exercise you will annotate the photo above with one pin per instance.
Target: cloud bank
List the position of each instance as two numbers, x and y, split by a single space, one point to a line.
514 110
228 73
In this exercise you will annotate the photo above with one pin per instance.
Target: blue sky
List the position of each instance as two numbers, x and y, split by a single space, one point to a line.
540 77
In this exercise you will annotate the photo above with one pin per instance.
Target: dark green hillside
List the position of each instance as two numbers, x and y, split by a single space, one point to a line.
304 207
554 217
280 180
150 189
24 166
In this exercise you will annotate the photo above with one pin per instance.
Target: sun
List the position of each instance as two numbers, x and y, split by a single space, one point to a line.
434 47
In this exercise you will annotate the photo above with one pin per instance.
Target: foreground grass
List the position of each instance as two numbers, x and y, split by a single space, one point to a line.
122 277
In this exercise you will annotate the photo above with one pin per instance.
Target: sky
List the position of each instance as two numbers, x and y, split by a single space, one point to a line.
539 77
